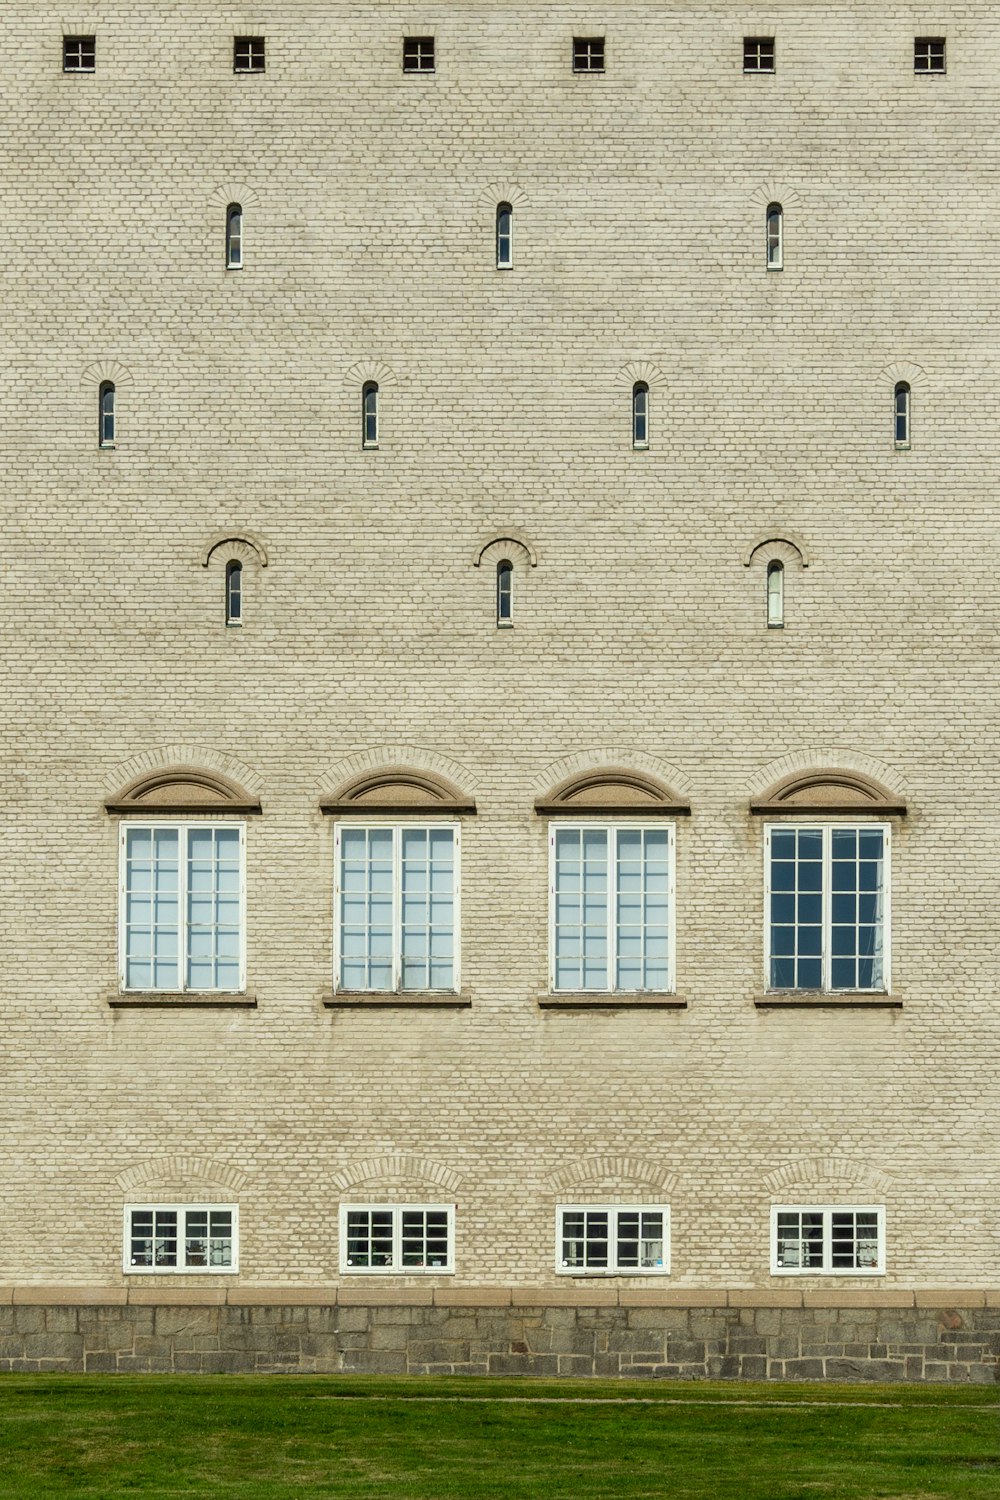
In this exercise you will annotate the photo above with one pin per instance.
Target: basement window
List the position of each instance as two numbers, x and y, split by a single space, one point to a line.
597 1240
180 1237
829 1241
411 1238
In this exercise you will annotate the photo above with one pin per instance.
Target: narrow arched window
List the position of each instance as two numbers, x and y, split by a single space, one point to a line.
775 250
775 596
106 415
901 422
234 593
505 595
234 237
505 237
640 415
369 415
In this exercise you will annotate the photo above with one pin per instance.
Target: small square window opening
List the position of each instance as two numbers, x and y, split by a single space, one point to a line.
928 54
588 54
79 54
758 54
418 54
248 54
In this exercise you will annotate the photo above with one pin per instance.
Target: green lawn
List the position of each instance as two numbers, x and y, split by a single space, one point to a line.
425 1439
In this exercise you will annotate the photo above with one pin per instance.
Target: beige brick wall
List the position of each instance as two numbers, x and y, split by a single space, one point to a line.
639 637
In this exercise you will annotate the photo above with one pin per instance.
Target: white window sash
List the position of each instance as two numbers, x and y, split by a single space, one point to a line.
397 1210
828 1210
397 830
182 830
181 1210
884 925
612 1210
611 829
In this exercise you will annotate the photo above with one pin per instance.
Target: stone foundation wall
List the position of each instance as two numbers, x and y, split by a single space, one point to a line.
504 1333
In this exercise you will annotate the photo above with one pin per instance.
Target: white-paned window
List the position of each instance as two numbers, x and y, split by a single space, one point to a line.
505 595
831 1241
79 54
901 415
775 595
758 54
611 899
928 54
396 905
775 237
182 906
629 1239
828 906
185 1237
234 237
234 593
369 414
392 1238
106 414
505 237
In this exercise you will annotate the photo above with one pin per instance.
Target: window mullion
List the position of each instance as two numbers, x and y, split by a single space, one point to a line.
828 1239
397 908
182 907
827 907
611 864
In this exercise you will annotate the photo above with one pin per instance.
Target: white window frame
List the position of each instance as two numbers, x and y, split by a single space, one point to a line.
775 262
73 61
757 55
397 825
234 241
505 263
181 1210
802 824
904 389
397 1211
828 1210
369 390
611 826
183 825
928 71
612 1210
775 595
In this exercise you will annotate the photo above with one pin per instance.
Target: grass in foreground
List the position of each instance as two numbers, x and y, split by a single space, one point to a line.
97 1438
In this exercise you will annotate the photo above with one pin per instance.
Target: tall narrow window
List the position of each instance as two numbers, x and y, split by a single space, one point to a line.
505 241
640 415
396 907
234 593
369 415
901 423
505 595
775 595
775 250
828 906
106 415
234 237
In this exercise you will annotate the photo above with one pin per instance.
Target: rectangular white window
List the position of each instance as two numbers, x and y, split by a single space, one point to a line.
178 1237
182 906
828 907
396 907
631 1240
403 1238
611 898
827 1241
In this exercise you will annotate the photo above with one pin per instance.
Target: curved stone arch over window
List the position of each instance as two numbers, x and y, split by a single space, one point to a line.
242 545
181 1170
398 789
501 544
106 371
383 760
234 192
610 1173
902 372
640 372
370 372
805 763
183 789
106 376
776 546
599 761
767 193
397 1170
814 1171
611 791
825 791
168 758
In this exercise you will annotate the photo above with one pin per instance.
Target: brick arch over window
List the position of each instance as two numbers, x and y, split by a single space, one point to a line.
382 759
828 791
183 789
244 544
106 371
378 1170
641 372
599 1171
610 790
502 192
806 763
373 371
163 758
398 789
181 1169
504 540
809 1171
234 192
785 546
600 759
775 192
902 371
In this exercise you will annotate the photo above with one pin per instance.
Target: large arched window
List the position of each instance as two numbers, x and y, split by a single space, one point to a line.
774 237
234 237
369 414
505 237
106 414
901 415
775 595
640 415
505 595
234 593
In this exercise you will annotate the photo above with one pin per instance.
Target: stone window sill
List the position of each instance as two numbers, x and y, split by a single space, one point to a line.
181 1000
821 1000
610 1000
397 1000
